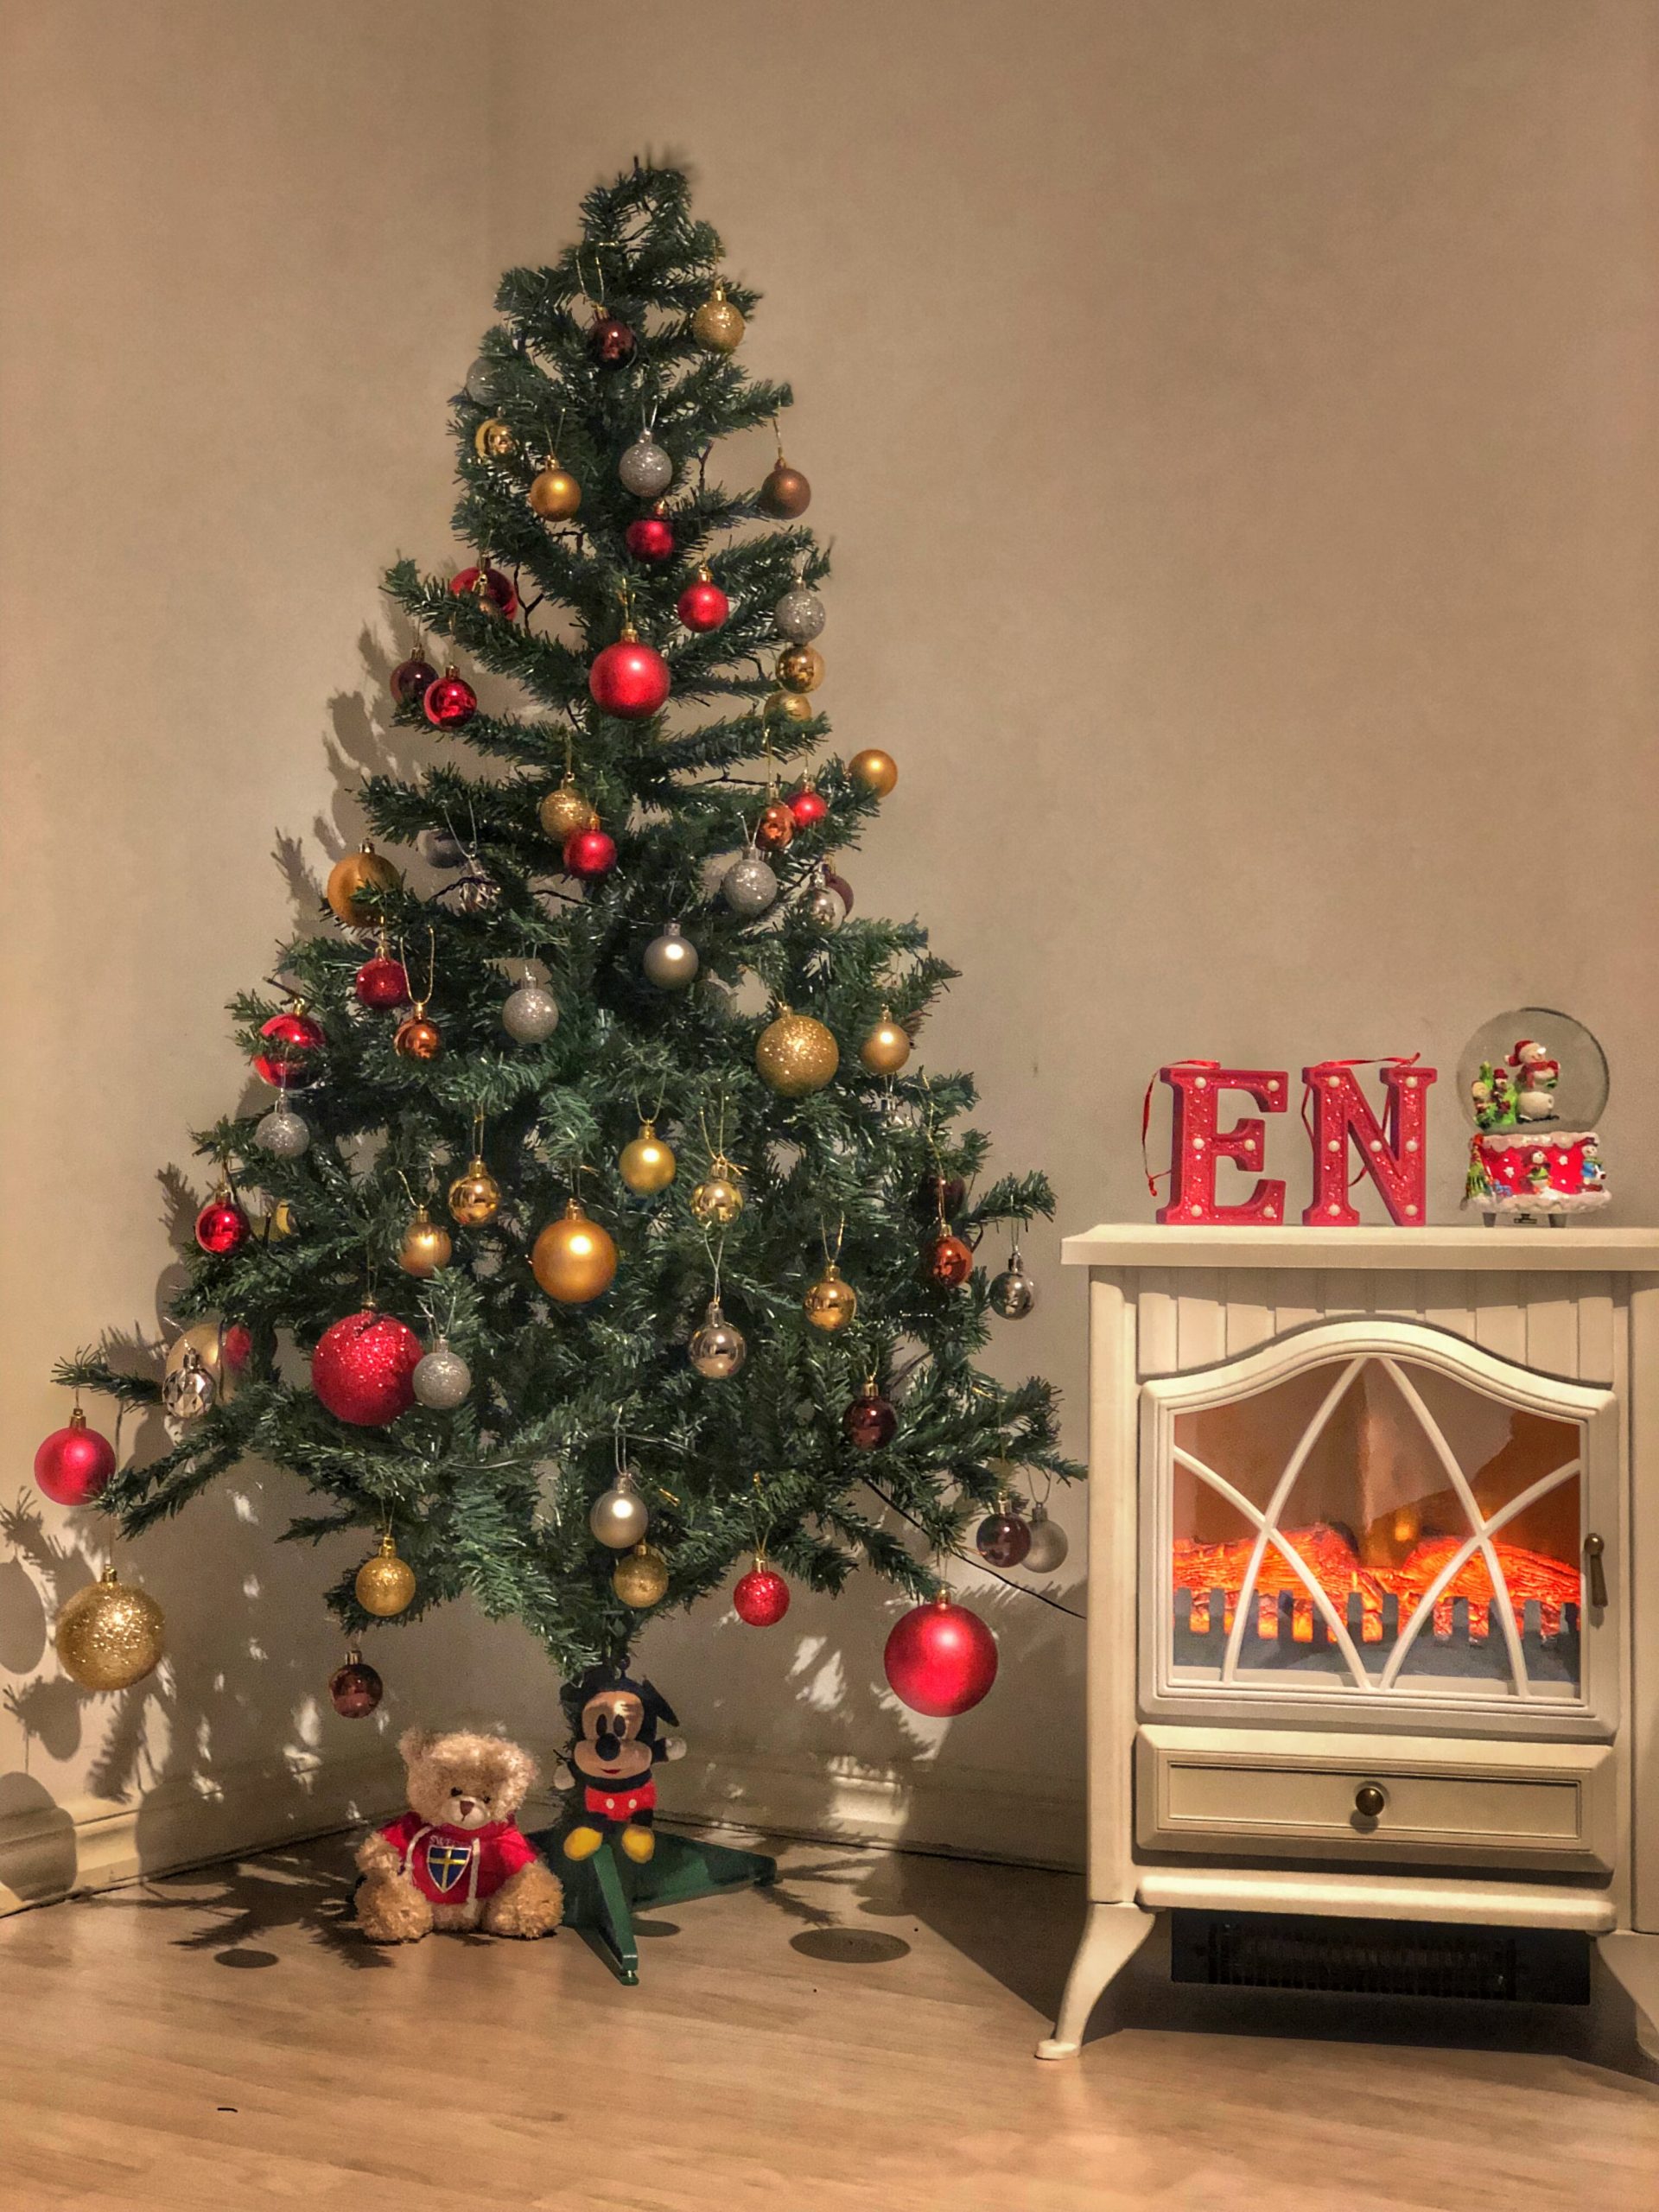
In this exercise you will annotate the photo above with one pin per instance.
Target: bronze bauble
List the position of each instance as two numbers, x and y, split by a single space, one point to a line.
647 1164
785 492
947 1261
351 876
494 440
796 1055
474 1196
385 1583
555 494
887 1048
427 1246
800 668
717 325
640 1577
877 771
574 1259
775 831
830 1302
109 1635
564 812
416 1037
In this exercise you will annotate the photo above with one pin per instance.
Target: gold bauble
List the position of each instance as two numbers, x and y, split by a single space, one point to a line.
887 1048
281 1222
647 1164
793 706
385 1583
206 1340
109 1635
785 492
351 876
574 1259
564 810
718 1199
877 771
555 494
800 668
640 1577
494 440
830 1302
474 1196
427 1246
796 1054
717 325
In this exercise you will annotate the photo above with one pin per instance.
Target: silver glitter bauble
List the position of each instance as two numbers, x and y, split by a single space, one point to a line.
670 961
621 1517
284 1133
1013 1294
480 384
531 1013
645 469
188 1390
748 886
477 894
442 1379
717 1350
1048 1545
799 614
824 911
441 849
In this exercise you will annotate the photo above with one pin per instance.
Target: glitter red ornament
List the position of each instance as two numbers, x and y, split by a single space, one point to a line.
362 1368
221 1226
651 537
702 605
450 701
293 1053
355 1688
382 983
497 590
870 1421
761 1598
74 1465
630 678
808 806
411 679
589 854
947 1261
940 1659
611 338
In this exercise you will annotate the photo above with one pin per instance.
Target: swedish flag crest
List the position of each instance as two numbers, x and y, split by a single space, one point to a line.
447 1863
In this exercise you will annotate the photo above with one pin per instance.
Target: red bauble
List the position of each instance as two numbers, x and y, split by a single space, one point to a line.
412 678
612 339
870 1421
650 538
940 1659
382 983
293 1056
222 1227
947 1261
362 1367
450 701
498 588
236 1346
702 605
761 1598
74 1463
356 1688
808 806
629 678
589 854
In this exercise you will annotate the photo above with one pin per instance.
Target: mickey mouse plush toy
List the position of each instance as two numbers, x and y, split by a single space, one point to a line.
614 1745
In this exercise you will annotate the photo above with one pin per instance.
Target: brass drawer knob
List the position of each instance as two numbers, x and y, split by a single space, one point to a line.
1369 1801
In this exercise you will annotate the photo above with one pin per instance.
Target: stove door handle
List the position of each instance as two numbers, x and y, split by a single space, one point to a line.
1594 1546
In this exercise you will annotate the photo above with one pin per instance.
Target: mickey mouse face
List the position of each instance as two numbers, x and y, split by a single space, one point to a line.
612 1718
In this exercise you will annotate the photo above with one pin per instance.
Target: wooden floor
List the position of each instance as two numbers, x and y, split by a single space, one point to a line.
857 2040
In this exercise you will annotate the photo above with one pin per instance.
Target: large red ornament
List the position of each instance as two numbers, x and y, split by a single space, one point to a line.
1196 1145
356 1688
940 1659
1396 1158
412 678
498 589
947 1261
362 1367
292 1057
221 1226
651 537
630 678
450 701
74 1463
611 338
589 854
808 806
382 983
702 605
761 1598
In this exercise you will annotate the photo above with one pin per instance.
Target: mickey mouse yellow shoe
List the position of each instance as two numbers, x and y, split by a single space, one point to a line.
582 1843
638 1843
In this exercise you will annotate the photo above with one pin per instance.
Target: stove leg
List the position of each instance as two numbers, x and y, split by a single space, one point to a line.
1112 1935
1633 1962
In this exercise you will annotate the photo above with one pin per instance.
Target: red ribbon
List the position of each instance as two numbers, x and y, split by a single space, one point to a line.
1164 1173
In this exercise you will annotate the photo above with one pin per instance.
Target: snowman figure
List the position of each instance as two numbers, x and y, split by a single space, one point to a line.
1538 1172
1500 1105
1592 1175
1536 1078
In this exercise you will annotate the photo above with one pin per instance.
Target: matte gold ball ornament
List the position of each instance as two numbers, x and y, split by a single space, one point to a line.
494 440
717 326
574 1259
564 812
353 874
426 1246
796 1055
647 1164
877 771
554 492
640 1577
831 1302
385 1583
800 668
474 1196
887 1048
109 1635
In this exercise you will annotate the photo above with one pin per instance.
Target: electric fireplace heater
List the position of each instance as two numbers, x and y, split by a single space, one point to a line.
1369 1513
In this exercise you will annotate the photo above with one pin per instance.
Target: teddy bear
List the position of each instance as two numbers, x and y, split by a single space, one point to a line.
457 1858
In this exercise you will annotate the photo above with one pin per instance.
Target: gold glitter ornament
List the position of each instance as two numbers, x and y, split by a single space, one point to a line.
717 326
109 1635
640 1577
385 1583
796 1055
564 812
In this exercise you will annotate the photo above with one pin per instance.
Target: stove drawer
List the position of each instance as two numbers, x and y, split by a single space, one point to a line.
1412 1799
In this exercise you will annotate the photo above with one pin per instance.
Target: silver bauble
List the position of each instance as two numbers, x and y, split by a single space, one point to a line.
531 1013
1048 1543
799 614
188 1390
670 960
824 912
1013 1294
477 894
284 1133
481 381
748 886
645 469
442 1379
441 849
717 1349
619 1516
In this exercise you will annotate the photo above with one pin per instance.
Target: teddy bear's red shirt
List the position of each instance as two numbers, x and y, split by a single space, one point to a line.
450 1866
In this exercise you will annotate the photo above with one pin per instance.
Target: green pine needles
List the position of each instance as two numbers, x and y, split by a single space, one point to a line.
493 1498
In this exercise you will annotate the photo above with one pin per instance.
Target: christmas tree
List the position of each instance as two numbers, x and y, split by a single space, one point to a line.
599 1182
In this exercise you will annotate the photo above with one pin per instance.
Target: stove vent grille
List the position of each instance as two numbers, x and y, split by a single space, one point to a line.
1380 1958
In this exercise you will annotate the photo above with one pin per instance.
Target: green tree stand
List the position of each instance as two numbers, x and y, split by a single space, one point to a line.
602 1893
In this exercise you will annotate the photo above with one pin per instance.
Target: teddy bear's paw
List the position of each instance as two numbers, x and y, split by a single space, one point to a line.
393 1910
531 1903
582 1843
638 1843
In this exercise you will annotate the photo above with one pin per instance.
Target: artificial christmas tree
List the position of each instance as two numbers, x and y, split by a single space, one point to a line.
595 1172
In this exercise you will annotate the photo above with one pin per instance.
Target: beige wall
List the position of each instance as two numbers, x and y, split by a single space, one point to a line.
1235 424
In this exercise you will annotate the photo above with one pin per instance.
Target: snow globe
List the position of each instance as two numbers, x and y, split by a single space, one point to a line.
1533 1083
